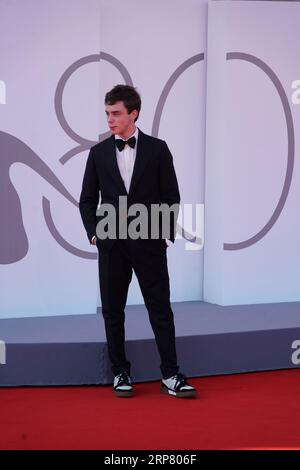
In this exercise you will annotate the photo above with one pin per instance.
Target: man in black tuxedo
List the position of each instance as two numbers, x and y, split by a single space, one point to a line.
138 169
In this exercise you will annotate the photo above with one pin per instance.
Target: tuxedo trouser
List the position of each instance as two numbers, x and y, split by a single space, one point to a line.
148 259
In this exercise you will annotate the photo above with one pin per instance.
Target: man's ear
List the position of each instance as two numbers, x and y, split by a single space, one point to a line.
134 113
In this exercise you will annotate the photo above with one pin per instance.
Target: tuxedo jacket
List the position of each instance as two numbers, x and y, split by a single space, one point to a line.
153 182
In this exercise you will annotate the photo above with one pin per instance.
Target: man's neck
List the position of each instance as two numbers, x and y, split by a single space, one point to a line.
128 134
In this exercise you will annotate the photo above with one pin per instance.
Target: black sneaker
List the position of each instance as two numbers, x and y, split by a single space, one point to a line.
122 385
177 386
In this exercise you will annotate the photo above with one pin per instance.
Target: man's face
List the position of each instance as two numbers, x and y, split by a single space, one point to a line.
118 119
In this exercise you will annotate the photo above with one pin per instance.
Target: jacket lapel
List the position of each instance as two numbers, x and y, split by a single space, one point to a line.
112 164
143 156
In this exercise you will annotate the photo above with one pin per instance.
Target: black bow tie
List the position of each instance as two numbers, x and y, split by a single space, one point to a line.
121 143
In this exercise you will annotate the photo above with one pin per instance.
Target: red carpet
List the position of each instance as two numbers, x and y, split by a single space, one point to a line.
245 411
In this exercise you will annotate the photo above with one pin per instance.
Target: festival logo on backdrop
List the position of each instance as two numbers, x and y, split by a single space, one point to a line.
14 150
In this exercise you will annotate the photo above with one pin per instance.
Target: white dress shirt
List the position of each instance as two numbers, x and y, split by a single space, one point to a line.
126 159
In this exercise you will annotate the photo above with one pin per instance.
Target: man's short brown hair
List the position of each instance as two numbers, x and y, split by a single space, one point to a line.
127 94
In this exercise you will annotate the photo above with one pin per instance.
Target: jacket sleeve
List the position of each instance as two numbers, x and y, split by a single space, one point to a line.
89 197
169 190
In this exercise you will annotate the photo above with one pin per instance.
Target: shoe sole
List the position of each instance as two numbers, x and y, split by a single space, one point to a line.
188 394
124 394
